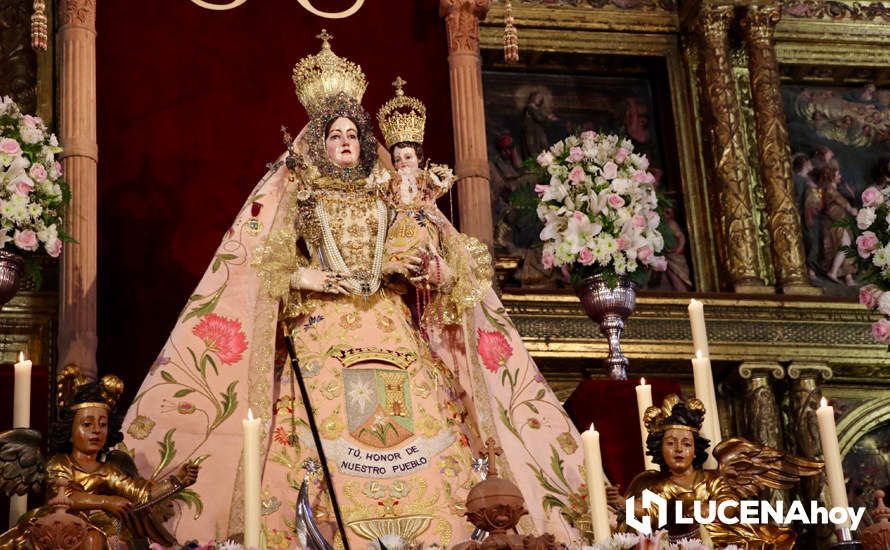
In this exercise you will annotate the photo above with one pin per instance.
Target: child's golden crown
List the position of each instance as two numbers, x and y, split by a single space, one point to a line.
402 118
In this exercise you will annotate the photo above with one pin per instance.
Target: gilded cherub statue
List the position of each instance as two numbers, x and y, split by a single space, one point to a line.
101 485
745 469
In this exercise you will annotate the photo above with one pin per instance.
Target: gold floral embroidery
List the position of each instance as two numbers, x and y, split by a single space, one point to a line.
374 489
449 466
141 427
427 425
470 263
422 389
351 321
331 390
332 426
385 324
276 260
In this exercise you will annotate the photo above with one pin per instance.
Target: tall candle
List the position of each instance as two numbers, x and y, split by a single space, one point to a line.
837 489
21 418
644 401
21 400
704 391
697 323
251 469
596 485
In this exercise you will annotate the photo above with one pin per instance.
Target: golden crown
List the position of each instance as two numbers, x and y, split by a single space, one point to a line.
325 74
402 118
660 419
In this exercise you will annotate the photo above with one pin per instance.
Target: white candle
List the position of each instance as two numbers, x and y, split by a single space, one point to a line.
251 469
704 391
837 489
21 401
596 485
21 418
699 332
644 401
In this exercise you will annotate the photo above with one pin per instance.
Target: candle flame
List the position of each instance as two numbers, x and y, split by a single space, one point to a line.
249 414
698 354
824 402
642 381
21 357
591 427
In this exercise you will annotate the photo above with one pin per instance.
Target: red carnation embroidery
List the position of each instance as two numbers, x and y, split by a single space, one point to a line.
494 349
222 336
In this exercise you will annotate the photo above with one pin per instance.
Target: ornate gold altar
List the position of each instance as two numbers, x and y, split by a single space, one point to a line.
778 344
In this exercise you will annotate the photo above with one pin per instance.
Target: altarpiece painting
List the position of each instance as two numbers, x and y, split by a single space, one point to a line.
840 142
560 95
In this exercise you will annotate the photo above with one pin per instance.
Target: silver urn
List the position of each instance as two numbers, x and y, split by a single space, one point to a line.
12 269
609 308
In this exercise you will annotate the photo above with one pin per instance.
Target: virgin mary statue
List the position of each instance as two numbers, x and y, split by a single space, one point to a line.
398 415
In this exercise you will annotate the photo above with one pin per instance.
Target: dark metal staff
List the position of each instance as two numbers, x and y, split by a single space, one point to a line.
291 351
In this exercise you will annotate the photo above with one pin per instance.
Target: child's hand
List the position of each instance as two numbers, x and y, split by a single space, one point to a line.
406 266
437 272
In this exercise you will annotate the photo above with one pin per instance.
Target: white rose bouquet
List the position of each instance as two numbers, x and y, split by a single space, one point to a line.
872 254
33 195
599 209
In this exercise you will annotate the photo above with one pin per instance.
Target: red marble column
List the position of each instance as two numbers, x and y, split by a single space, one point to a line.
468 113
77 129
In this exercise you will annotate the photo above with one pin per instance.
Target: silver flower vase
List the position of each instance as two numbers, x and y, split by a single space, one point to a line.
609 308
12 267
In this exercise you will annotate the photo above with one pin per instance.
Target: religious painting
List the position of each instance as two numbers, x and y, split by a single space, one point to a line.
840 144
527 111
868 465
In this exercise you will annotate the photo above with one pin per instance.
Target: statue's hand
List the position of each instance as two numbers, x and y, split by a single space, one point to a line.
614 498
188 473
317 280
116 506
433 270
406 266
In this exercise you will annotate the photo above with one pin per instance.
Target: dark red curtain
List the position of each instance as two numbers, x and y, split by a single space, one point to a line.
190 103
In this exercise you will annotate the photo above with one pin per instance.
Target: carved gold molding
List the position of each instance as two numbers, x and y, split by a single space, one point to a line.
27 323
835 10
844 39
863 419
835 334
585 17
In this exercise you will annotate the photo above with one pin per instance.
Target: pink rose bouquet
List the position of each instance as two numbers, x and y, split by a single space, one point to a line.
871 251
599 209
33 195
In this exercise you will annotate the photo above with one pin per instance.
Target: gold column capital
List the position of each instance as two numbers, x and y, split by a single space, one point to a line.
462 19
759 21
78 12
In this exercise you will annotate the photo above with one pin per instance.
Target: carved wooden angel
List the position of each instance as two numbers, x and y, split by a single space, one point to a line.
102 485
745 470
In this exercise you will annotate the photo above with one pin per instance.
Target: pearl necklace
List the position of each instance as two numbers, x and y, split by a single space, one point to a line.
361 282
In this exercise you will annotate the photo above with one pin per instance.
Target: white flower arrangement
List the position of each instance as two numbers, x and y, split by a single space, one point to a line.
33 195
599 209
872 253
657 541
